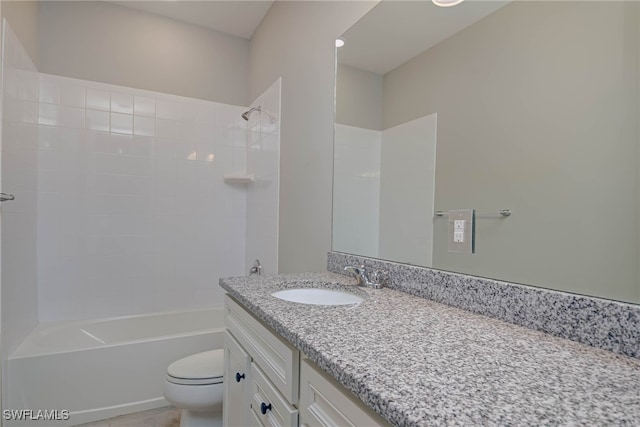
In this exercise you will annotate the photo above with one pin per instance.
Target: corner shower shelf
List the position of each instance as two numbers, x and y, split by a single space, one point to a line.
239 178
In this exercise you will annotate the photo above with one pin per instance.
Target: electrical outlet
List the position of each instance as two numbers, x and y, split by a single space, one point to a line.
462 231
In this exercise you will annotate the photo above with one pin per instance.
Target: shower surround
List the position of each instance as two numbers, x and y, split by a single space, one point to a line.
121 207
133 213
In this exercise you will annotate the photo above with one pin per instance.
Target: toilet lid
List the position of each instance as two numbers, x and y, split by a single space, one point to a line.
199 366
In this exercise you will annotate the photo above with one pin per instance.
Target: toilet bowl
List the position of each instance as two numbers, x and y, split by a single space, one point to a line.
194 384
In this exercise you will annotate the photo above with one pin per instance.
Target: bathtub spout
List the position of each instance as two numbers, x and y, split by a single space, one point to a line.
256 269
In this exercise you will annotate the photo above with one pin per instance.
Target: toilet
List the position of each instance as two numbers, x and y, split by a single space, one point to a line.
194 384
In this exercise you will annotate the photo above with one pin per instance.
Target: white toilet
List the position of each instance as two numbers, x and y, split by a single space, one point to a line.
194 384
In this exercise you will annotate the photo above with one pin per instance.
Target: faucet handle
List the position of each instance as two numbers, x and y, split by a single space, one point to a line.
358 273
380 277
352 269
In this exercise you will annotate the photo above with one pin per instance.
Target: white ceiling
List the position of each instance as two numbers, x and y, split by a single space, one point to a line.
395 31
238 18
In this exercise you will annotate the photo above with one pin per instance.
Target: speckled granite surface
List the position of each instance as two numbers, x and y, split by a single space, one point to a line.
601 323
420 363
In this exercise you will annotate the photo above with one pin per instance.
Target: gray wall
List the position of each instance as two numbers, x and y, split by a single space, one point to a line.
113 44
23 17
551 133
296 40
359 97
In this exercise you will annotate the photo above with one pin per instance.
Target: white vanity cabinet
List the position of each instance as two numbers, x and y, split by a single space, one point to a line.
267 384
267 393
324 402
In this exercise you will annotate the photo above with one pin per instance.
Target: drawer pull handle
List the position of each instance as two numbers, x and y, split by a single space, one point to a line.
239 377
264 408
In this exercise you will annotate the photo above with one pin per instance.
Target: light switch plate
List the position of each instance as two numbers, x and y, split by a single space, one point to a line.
462 225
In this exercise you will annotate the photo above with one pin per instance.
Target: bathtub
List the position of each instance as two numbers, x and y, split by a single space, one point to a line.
101 368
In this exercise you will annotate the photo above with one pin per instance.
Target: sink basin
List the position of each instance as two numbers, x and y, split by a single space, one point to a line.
318 296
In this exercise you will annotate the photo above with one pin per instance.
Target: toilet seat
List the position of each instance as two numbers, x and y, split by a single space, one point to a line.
204 368
186 381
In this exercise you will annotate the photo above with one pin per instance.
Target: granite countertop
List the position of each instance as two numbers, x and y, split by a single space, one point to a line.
417 363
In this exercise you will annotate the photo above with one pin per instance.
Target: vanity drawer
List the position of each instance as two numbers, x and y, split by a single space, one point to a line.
268 408
278 359
324 402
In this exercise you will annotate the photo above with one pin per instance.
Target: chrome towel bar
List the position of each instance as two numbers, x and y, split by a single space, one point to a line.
503 212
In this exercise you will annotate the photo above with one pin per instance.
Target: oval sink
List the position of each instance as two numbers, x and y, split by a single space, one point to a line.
316 296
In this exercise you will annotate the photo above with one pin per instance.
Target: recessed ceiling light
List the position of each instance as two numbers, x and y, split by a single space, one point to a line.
339 42
446 3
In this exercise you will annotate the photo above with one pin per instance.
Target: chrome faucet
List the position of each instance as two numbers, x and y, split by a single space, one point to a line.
376 280
256 269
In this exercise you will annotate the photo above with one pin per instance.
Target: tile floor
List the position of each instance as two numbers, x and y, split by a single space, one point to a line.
161 417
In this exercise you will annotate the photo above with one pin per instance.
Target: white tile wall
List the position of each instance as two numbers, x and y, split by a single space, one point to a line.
134 216
121 103
356 188
261 154
98 99
120 202
72 95
19 177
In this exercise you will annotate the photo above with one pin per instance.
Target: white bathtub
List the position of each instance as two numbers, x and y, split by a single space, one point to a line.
102 368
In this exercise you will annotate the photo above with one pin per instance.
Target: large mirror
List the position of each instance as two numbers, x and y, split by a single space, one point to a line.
526 105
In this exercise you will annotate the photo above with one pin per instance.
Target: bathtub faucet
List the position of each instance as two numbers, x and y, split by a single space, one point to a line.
256 269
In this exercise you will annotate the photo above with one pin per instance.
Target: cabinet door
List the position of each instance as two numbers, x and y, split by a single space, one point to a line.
268 407
237 372
325 403
278 359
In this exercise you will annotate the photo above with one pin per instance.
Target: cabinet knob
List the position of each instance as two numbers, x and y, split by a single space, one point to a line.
239 377
264 408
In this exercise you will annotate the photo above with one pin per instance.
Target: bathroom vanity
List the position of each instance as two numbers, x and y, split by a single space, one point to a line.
270 382
404 360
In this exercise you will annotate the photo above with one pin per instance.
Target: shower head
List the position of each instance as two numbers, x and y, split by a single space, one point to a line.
247 113
259 109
